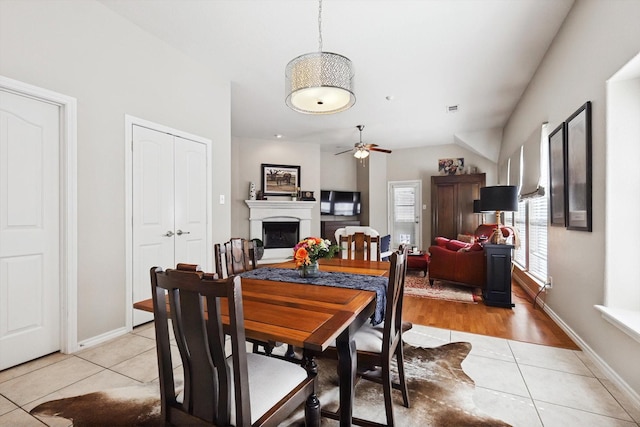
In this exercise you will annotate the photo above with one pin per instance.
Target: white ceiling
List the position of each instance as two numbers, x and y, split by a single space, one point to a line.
426 54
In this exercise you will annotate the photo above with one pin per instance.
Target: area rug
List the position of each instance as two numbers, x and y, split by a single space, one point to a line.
418 286
441 394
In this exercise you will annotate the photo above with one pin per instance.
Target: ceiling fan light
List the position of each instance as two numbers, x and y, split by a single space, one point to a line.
361 153
319 83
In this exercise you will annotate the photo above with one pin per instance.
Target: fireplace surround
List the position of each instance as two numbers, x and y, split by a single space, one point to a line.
284 211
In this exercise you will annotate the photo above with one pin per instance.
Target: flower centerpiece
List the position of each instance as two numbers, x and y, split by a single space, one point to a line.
307 253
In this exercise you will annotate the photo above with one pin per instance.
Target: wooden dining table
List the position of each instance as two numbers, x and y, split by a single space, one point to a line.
311 317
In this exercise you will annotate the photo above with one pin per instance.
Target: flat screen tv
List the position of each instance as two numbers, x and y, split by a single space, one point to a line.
343 203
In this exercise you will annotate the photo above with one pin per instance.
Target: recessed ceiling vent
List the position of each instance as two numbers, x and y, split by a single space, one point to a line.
452 109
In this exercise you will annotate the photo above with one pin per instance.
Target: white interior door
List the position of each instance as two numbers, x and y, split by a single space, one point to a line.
190 201
29 229
405 213
153 210
169 207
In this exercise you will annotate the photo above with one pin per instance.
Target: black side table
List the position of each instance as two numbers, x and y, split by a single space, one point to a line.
498 290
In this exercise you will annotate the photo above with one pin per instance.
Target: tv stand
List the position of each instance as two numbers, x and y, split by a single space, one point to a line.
328 228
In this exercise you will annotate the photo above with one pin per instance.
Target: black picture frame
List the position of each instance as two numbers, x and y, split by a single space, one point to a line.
557 176
280 180
578 178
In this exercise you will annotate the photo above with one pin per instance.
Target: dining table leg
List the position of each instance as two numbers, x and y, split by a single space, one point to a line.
312 407
347 361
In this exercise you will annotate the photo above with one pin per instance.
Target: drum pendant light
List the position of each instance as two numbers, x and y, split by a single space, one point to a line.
319 82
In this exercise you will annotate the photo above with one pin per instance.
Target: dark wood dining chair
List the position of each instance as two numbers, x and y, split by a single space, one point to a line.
241 389
234 257
360 246
376 346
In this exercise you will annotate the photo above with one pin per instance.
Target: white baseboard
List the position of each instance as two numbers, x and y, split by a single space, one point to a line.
99 339
595 358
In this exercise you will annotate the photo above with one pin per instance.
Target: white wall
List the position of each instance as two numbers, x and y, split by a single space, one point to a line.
422 164
378 195
338 172
82 49
597 38
249 154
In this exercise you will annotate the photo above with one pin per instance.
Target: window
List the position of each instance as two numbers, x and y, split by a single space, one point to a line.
532 218
531 223
519 222
622 294
537 237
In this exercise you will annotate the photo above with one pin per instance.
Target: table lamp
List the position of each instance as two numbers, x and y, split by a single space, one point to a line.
498 199
477 210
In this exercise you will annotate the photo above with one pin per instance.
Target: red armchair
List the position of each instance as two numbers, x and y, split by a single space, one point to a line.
460 262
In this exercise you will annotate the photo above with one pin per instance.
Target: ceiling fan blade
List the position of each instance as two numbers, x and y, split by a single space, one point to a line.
382 150
346 151
370 145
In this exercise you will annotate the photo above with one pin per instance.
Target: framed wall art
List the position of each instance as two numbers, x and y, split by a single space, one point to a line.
451 166
280 180
557 176
578 188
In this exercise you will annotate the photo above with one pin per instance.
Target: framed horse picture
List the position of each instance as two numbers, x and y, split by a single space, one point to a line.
280 180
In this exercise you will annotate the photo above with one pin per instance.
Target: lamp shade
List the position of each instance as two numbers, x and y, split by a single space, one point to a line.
319 83
476 206
502 198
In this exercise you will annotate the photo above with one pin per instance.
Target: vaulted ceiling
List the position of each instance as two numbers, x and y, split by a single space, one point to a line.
412 59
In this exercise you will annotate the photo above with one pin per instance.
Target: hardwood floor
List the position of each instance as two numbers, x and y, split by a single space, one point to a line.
521 323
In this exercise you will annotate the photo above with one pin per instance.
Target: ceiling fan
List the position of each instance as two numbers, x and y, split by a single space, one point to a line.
361 150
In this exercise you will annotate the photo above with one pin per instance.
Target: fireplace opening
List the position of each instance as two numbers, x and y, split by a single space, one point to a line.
280 234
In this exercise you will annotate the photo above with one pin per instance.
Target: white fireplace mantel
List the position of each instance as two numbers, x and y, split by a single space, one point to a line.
278 211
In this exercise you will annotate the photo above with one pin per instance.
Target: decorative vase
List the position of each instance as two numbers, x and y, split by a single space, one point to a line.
252 191
259 252
310 270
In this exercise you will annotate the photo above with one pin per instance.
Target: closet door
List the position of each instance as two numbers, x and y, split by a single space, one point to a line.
169 207
190 201
153 210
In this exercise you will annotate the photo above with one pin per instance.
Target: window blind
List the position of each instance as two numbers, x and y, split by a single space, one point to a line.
531 163
404 204
538 217
519 222
514 167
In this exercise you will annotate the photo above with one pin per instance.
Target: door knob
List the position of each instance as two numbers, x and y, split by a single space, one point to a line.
168 234
180 232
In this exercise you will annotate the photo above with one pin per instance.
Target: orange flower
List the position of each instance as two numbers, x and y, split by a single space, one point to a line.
301 257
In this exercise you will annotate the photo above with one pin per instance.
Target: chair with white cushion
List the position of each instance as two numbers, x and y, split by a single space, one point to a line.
241 389
358 242
377 345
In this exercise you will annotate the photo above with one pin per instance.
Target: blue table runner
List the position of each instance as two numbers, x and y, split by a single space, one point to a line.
377 284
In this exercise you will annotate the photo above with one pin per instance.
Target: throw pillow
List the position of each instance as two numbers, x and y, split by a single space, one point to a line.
442 241
467 238
456 245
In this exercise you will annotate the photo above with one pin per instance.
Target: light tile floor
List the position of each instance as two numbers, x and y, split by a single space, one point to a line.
520 383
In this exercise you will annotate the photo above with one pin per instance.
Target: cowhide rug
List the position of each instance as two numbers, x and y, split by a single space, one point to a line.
441 394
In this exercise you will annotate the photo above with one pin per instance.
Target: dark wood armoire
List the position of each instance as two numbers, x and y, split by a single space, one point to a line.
452 199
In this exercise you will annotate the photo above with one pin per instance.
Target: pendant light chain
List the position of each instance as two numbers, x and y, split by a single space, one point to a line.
320 26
